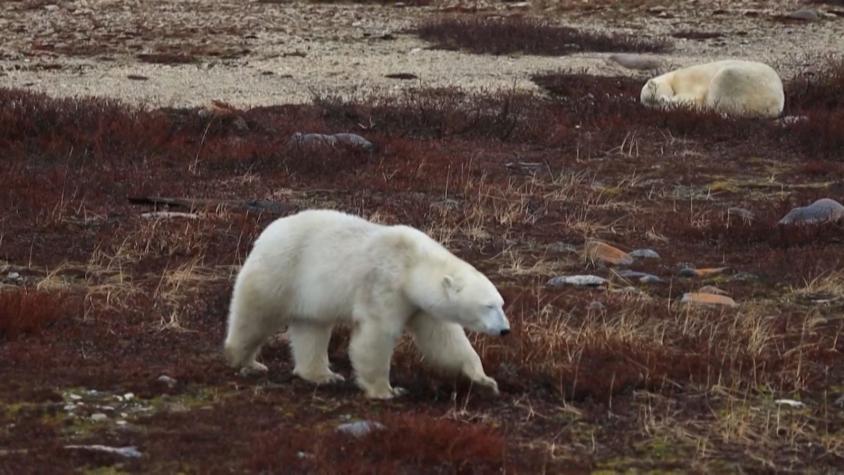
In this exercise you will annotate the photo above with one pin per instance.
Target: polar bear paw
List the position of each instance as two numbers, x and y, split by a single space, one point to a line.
488 383
254 369
385 393
328 377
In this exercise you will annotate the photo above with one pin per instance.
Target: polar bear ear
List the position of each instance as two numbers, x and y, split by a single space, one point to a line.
450 285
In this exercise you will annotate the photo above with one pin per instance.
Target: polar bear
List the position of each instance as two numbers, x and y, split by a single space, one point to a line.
732 87
316 268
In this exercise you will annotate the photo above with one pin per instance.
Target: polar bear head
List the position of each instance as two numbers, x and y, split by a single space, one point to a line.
459 293
657 92
475 303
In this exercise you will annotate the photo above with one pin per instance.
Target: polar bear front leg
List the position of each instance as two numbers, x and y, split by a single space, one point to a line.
309 344
445 345
371 350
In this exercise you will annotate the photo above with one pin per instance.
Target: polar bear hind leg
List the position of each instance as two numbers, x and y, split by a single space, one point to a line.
309 345
444 345
248 328
744 93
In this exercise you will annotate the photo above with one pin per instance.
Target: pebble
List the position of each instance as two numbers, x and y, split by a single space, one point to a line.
13 276
821 211
98 416
790 403
167 380
705 272
642 277
359 428
644 254
577 280
128 452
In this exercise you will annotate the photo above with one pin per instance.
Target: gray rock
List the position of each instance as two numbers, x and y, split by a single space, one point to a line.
98 417
128 452
167 380
636 61
821 211
644 254
687 272
642 277
805 14
352 141
577 280
359 428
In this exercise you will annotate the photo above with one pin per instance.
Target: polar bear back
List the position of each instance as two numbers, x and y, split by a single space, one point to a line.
734 87
314 262
746 88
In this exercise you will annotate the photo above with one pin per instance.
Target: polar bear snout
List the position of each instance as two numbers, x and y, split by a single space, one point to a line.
495 323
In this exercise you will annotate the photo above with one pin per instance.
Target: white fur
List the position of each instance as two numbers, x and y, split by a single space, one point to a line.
317 268
733 87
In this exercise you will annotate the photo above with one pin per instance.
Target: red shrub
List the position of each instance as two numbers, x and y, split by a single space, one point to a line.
24 310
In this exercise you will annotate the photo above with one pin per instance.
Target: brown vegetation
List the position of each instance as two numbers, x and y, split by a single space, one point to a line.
591 379
515 34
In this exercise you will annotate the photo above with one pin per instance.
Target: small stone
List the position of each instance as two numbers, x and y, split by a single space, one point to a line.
167 380
121 423
707 299
596 306
821 211
75 397
98 417
128 452
804 14
644 254
129 396
705 272
13 276
359 428
792 120
577 280
70 407
635 61
642 277
790 403
744 277
603 252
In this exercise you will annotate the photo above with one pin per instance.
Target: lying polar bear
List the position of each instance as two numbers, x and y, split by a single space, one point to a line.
733 87
316 268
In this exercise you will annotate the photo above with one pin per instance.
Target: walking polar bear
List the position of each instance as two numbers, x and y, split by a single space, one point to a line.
320 267
733 87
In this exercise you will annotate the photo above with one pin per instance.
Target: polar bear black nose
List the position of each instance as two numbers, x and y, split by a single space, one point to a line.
505 331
